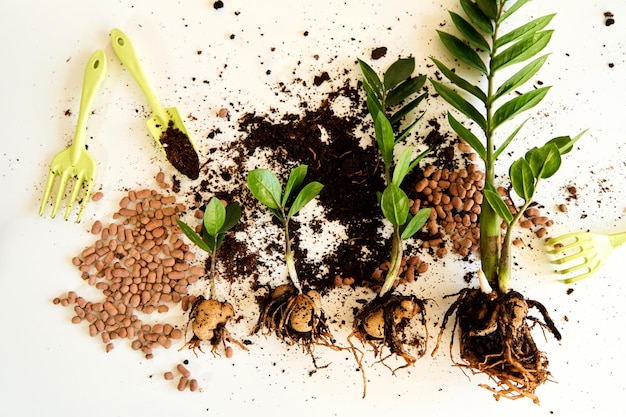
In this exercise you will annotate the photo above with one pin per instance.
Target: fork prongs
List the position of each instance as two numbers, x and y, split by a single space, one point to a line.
78 184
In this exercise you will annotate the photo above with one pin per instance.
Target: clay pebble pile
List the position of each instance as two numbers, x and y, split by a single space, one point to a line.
142 267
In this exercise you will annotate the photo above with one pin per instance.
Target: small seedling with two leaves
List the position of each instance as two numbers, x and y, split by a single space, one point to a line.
208 316
292 311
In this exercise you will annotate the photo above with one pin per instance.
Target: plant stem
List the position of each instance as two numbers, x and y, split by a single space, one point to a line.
395 262
289 258
490 232
212 273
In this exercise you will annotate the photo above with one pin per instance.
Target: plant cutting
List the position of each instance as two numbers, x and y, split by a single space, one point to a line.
380 323
494 325
208 316
292 311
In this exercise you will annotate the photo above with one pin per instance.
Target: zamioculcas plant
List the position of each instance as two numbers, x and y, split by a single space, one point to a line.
493 320
292 311
207 315
380 323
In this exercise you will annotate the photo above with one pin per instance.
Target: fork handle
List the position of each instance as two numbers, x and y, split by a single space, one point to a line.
95 73
617 239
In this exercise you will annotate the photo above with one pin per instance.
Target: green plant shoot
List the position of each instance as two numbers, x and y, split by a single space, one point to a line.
483 44
284 204
217 220
389 101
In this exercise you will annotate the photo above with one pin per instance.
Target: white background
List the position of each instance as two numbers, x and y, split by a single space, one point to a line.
51 367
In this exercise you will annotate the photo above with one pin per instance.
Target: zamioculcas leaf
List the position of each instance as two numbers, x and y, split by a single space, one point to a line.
518 105
373 105
384 137
470 33
398 72
522 50
233 214
512 9
532 26
508 140
193 236
404 90
402 166
265 187
520 77
522 179
460 103
498 205
462 51
488 7
460 82
415 223
565 143
397 116
372 78
468 136
544 161
296 176
395 204
308 193
214 216
477 16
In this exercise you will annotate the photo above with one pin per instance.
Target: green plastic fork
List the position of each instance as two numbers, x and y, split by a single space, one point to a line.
582 253
75 161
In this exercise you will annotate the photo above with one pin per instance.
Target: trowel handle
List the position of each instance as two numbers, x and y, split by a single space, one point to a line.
124 50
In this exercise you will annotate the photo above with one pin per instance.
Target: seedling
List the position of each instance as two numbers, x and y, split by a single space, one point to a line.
380 322
292 311
494 325
208 316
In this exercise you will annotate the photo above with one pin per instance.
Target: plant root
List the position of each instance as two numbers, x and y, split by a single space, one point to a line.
208 319
296 318
380 325
495 339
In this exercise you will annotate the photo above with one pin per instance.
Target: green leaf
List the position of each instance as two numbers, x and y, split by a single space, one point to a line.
544 161
397 116
214 216
516 6
193 236
408 129
372 78
404 90
477 16
308 193
468 137
508 140
565 143
415 223
527 28
460 103
395 204
420 157
520 77
296 176
470 33
402 166
518 105
522 50
373 106
522 179
233 214
462 51
384 137
488 7
497 204
265 187
460 82
398 72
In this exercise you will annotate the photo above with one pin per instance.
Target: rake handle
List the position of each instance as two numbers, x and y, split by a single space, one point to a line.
95 73
617 239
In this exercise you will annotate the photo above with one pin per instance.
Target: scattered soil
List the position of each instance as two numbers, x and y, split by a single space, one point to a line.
180 152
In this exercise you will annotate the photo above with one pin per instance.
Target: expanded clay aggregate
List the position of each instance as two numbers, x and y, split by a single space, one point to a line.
141 265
